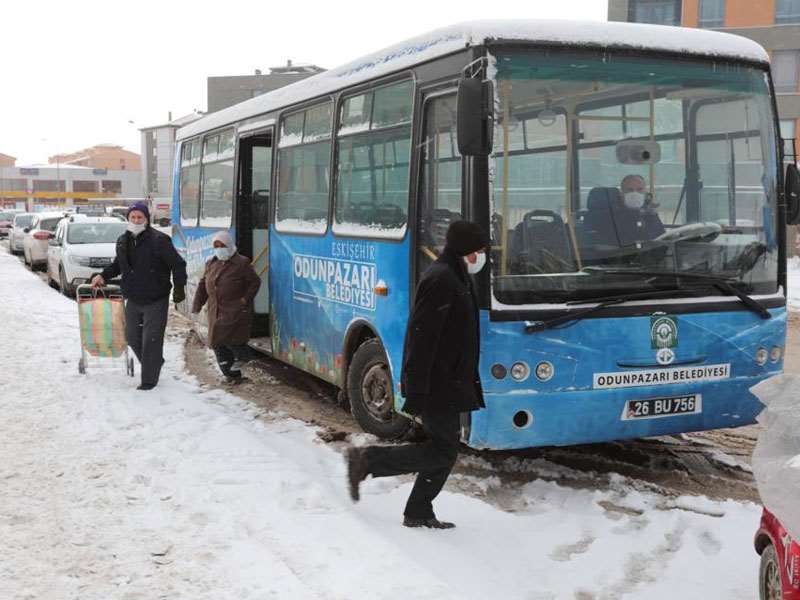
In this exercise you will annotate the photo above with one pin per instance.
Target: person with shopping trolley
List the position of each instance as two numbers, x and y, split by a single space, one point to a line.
146 260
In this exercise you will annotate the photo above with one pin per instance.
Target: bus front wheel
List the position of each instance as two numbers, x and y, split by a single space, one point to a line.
369 387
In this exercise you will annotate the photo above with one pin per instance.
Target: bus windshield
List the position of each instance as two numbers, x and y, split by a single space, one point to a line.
610 168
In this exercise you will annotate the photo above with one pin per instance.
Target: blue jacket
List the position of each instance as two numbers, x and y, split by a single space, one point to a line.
146 262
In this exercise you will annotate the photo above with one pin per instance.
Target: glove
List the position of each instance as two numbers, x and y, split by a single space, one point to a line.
178 294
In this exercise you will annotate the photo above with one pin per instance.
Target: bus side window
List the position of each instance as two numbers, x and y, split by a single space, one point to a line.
373 157
304 151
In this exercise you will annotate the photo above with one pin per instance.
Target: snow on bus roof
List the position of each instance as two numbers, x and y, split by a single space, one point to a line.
451 39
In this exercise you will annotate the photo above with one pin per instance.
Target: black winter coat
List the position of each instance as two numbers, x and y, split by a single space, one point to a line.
442 343
145 263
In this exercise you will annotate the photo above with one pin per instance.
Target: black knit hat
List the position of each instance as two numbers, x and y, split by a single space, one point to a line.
141 207
464 237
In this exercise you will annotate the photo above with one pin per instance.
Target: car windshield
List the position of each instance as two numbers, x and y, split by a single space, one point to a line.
94 233
6 216
607 162
23 220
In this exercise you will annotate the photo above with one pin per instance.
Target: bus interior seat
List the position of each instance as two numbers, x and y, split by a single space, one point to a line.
439 220
540 244
599 227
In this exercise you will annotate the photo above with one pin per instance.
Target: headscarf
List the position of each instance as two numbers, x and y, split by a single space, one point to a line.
226 238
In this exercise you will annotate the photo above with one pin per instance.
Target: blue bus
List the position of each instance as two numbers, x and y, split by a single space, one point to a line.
628 176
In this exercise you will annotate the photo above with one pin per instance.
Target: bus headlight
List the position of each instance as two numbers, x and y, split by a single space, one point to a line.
520 371
776 353
761 356
544 371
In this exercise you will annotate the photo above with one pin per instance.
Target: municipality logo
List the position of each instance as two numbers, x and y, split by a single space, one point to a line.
663 338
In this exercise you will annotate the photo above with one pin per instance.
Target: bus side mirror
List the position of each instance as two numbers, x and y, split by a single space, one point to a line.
475 123
792 193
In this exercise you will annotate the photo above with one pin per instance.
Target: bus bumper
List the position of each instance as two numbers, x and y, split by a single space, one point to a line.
525 418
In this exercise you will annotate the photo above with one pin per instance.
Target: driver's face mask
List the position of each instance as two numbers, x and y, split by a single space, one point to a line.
634 199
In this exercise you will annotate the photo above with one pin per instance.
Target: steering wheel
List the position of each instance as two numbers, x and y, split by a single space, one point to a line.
703 231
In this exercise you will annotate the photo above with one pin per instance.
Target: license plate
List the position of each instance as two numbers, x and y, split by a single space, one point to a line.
655 408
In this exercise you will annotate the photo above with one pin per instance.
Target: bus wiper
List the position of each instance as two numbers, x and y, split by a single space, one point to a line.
723 284
535 326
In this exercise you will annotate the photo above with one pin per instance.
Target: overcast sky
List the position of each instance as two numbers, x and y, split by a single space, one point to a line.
75 73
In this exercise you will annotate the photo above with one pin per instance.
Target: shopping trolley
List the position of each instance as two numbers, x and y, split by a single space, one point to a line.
101 314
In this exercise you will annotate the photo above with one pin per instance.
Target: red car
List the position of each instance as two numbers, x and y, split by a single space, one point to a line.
779 575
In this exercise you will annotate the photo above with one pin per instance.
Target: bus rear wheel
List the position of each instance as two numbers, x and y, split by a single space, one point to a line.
371 393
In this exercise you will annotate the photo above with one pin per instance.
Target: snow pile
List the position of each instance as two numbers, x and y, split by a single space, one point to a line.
793 282
776 458
189 493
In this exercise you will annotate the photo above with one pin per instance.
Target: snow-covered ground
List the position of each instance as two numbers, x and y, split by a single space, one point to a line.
185 492
793 282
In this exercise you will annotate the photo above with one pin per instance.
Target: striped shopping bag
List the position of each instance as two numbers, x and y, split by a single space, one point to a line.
102 322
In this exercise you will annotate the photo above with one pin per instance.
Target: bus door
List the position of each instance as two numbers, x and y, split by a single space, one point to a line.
252 216
440 180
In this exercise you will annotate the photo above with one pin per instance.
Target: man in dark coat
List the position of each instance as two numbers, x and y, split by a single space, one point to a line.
146 258
439 377
229 285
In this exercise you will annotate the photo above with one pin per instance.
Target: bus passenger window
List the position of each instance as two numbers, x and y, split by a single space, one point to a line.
216 207
373 156
304 151
190 183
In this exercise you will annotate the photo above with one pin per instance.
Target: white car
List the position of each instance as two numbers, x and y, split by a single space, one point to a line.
37 235
17 232
81 248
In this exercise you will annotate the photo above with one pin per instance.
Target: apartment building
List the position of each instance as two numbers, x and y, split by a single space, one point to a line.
102 156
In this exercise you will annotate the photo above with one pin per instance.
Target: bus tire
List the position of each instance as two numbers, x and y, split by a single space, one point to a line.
370 390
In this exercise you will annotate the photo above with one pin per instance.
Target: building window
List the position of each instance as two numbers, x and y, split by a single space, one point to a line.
789 135
787 11
190 183
48 185
659 12
373 156
14 185
111 186
304 154
84 186
712 13
785 67
216 206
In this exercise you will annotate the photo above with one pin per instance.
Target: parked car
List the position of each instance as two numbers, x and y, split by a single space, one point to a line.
779 574
81 248
35 242
17 233
6 221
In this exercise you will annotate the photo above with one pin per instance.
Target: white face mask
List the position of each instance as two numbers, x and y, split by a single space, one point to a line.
222 253
136 228
473 268
634 199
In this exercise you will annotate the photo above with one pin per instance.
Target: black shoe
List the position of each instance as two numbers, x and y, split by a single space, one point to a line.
145 386
432 523
357 470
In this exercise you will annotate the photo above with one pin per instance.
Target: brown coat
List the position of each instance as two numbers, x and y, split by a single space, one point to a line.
229 286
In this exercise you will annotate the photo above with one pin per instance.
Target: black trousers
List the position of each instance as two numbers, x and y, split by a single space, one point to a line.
227 355
432 460
144 326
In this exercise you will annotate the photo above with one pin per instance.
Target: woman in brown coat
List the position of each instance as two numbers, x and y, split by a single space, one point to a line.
229 284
